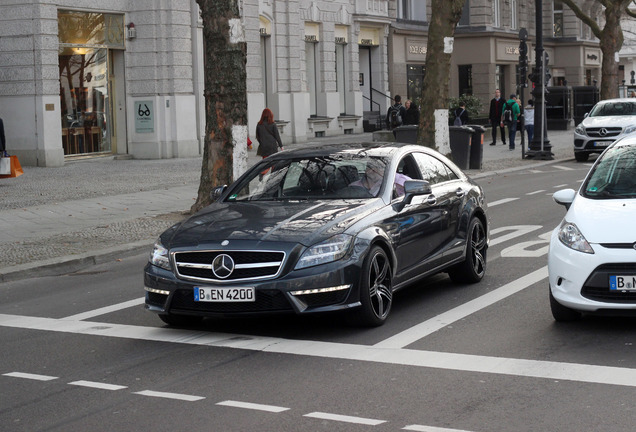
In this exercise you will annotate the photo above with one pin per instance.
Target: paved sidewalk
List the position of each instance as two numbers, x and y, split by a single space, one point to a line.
58 220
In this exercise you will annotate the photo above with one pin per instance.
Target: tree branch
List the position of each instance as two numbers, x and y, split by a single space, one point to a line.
584 17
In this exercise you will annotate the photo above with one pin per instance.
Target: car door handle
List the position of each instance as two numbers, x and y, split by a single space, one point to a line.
460 192
431 199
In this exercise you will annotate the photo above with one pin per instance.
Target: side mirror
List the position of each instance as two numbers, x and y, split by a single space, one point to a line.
586 114
413 188
217 192
565 197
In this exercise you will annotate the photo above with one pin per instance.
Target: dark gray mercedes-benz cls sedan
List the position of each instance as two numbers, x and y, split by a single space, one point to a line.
337 227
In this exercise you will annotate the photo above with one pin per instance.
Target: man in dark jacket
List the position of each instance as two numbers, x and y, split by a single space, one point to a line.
396 113
496 105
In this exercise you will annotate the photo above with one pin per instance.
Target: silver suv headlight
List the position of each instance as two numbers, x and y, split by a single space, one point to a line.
327 251
630 129
159 256
580 129
570 236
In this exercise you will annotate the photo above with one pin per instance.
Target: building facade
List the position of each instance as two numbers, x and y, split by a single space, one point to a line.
486 46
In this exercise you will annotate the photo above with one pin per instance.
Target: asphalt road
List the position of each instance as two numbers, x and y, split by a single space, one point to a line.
79 353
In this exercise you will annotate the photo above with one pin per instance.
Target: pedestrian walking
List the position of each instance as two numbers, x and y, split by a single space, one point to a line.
412 116
396 113
529 117
267 135
496 106
509 114
461 115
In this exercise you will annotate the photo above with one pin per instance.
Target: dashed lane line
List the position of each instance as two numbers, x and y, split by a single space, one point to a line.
30 376
253 406
420 428
552 370
501 201
564 168
177 396
536 192
106 310
97 385
345 419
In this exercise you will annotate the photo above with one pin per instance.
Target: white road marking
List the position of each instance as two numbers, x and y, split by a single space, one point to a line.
432 325
30 376
106 310
420 428
418 358
178 396
97 385
343 418
564 168
536 192
560 186
516 231
253 406
501 201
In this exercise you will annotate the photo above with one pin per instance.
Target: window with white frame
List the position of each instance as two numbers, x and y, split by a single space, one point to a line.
557 18
412 10
513 14
341 75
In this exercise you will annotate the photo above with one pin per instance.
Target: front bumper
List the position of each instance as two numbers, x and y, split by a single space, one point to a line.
580 281
323 288
586 144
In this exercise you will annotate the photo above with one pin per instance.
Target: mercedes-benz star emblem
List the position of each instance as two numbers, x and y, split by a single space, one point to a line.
602 132
222 266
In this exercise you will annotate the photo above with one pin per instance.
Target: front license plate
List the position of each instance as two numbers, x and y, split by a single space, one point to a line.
623 283
600 143
242 294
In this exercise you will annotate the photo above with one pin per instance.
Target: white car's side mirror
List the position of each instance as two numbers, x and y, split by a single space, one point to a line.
565 197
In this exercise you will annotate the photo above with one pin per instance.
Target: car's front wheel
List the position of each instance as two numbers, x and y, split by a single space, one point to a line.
562 313
581 157
376 293
473 268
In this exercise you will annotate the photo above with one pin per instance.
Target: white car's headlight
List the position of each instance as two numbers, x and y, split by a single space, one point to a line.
570 236
580 129
159 256
630 129
330 250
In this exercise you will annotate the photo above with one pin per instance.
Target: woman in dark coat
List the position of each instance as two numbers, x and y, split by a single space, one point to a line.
267 135
412 116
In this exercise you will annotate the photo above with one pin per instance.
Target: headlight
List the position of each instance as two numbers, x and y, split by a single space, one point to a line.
580 129
159 256
330 250
570 236
630 129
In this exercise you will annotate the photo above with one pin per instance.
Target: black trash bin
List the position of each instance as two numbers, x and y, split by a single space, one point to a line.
460 137
406 134
476 146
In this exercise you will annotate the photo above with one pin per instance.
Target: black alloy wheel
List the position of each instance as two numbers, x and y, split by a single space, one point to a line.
376 292
473 268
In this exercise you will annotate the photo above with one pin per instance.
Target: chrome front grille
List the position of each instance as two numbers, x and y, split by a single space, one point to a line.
228 266
599 132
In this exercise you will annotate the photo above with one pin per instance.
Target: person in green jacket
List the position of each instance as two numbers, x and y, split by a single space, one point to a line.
509 113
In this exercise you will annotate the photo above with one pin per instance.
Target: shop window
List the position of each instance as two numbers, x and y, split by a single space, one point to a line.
557 19
341 76
465 79
311 62
513 14
415 81
412 10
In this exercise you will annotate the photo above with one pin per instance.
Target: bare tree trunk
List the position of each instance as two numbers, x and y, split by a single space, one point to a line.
444 18
225 93
611 40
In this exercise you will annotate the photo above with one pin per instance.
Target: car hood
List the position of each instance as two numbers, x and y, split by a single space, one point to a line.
604 220
609 121
304 222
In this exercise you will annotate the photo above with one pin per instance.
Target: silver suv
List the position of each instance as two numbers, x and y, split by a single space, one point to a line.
608 121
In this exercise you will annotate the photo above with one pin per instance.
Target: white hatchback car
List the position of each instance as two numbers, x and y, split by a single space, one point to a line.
592 257
608 121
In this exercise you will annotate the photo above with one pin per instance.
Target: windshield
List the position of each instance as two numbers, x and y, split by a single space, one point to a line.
340 176
614 176
614 109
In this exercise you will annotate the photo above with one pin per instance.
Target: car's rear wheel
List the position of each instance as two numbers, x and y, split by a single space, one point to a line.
376 295
581 157
562 313
473 268
180 320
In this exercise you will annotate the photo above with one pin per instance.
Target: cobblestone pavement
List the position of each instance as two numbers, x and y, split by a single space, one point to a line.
54 220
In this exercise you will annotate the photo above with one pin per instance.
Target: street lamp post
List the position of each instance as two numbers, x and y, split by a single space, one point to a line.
540 147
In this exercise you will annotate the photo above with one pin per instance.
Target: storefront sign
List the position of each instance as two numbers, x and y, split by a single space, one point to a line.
416 50
144 117
592 57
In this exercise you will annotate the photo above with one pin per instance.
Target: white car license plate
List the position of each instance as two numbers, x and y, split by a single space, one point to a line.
238 294
623 283
600 143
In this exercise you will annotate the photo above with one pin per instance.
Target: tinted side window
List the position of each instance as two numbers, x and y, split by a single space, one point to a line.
433 170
